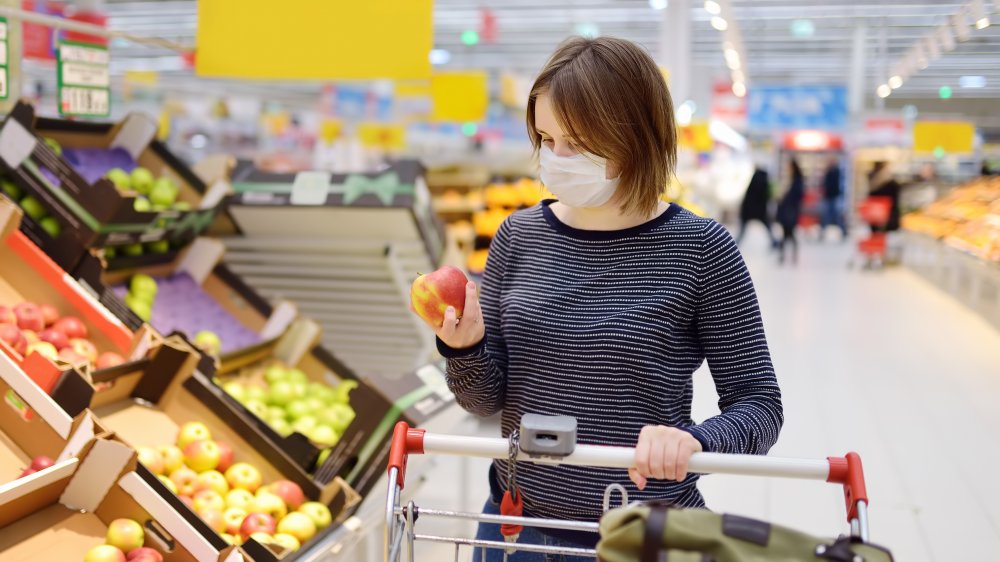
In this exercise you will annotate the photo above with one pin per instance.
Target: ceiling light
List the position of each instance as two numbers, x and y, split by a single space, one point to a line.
440 56
738 76
470 37
684 114
972 81
944 92
732 59
982 23
803 28
713 7
739 89
979 14
895 82
658 4
720 23
587 30
883 91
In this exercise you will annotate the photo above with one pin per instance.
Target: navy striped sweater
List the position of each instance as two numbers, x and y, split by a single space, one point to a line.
609 327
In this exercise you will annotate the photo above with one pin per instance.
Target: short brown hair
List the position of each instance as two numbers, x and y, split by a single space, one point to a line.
610 97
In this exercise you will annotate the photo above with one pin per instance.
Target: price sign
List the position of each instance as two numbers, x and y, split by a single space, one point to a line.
3 59
84 80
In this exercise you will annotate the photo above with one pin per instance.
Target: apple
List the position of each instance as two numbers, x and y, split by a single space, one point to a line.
225 457
289 492
51 226
230 539
107 360
142 180
255 393
29 317
323 455
142 205
281 427
168 483
275 413
245 476
72 326
182 206
208 342
275 373
121 179
324 435
215 481
186 481
191 432
286 541
11 189
30 336
125 535
315 405
7 315
257 523
266 502
201 455
236 390
343 391
49 314
164 192
144 554
149 457
432 293
73 358
299 525
104 553
33 208
186 500
239 498
233 518
133 250
337 416
319 513
41 462
172 457
297 376
43 348
257 408
298 409
208 499
143 285
84 348
27 472
213 517
281 393
10 334
55 337
305 424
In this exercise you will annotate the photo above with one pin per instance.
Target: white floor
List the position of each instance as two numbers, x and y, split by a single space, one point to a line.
877 362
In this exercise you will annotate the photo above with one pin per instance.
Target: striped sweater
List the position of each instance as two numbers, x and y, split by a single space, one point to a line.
609 327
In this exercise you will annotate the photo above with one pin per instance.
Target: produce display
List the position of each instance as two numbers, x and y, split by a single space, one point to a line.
288 402
231 496
31 207
124 543
967 218
28 327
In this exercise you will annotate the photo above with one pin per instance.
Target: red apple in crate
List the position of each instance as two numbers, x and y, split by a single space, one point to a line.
225 456
13 337
27 472
42 462
72 326
125 534
289 492
49 314
257 523
266 502
432 293
144 554
73 358
213 517
151 459
186 481
172 456
7 315
85 348
107 360
104 553
234 517
43 348
186 500
191 432
245 476
29 317
201 455
319 513
55 337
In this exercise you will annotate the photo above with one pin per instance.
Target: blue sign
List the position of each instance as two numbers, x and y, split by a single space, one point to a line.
797 107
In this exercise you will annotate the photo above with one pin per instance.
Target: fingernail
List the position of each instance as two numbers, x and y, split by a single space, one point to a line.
449 309
471 285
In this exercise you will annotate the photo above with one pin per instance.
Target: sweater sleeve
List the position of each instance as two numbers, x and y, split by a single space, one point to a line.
478 375
731 335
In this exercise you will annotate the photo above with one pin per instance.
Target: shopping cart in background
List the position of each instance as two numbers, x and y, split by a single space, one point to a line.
875 212
541 442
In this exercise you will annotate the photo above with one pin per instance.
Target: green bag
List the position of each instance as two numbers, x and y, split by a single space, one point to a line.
656 533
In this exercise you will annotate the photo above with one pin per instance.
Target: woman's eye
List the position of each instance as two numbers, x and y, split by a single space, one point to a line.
547 142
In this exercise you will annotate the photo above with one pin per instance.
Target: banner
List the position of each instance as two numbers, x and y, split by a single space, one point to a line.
459 96
954 137
796 107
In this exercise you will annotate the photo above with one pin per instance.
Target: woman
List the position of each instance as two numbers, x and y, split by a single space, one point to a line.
882 183
602 305
754 206
789 210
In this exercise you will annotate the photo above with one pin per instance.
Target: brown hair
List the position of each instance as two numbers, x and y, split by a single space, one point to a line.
610 98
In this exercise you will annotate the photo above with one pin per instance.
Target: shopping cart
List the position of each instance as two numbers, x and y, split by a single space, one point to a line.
541 447
875 212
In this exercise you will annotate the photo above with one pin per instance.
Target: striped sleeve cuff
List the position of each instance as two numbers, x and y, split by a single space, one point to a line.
702 436
449 352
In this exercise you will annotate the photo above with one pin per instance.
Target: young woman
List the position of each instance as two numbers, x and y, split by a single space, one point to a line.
602 305
790 209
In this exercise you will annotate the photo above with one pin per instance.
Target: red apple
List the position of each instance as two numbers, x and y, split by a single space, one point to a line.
289 492
225 456
266 502
12 335
202 455
85 348
186 500
43 348
234 517
49 314
432 293
42 462
108 359
55 337
144 554
29 317
73 358
214 519
257 523
104 553
245 476
186 481
7 315
125 534
72 326
27 472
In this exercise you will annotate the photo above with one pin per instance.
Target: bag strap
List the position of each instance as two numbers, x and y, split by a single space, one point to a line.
652 540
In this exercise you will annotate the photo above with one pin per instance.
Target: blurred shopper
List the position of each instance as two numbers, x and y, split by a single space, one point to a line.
832 211
790 210
602 304
882 184
755 203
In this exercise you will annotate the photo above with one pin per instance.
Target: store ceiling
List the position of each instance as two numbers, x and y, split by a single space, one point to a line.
786 41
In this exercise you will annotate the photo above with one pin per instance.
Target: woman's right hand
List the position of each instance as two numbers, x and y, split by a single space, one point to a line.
461 333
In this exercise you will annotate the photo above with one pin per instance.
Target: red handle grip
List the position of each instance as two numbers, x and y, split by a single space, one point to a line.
847 470
405 440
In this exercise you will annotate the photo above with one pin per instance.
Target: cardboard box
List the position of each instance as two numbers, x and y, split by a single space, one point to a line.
91 211
62 512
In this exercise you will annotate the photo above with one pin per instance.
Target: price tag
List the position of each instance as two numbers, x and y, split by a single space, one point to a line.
84 81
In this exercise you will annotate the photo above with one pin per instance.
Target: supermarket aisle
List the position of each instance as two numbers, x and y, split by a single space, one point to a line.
881 363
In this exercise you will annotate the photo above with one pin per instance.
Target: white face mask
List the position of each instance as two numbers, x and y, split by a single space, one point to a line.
579 180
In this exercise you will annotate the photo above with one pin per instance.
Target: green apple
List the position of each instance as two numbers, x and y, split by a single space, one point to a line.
257 408
266 502
167 482
337 416
143 285
142 205
208 341
142 180
297 410
33 208
236 390
315 404
142 308
319 390
281 393
51 225
182 206
164 192
319 513
324 435
256 393
54 145
323 455
159 247
298 525
121 179
281 427
275 373
304 425
297 375
286 541
11 189
343 391
275 413
110 253
133 250
299 389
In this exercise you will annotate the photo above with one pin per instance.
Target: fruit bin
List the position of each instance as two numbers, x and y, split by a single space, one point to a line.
60 513
30 276
70 183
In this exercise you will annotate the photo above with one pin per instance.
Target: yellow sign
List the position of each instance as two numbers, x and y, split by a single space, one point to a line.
314 39
695 137
957 136
413 89
459 96
148 78
381 135
329 129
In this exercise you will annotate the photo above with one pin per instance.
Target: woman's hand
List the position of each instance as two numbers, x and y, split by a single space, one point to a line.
465 332
663 453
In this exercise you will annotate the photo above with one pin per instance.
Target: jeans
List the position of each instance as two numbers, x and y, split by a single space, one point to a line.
831 213
529 535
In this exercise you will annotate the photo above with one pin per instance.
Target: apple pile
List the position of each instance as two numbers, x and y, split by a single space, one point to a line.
154 194
141 294
30 327
31 207
38 463
285 399
124 536
230 496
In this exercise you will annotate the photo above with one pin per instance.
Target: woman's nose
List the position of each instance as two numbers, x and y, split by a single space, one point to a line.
563 149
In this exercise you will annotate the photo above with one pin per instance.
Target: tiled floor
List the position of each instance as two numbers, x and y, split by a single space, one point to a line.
877 362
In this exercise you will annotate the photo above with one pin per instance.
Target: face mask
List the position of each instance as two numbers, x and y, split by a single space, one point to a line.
578 181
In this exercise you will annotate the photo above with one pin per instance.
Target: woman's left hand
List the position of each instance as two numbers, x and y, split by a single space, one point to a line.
662 453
